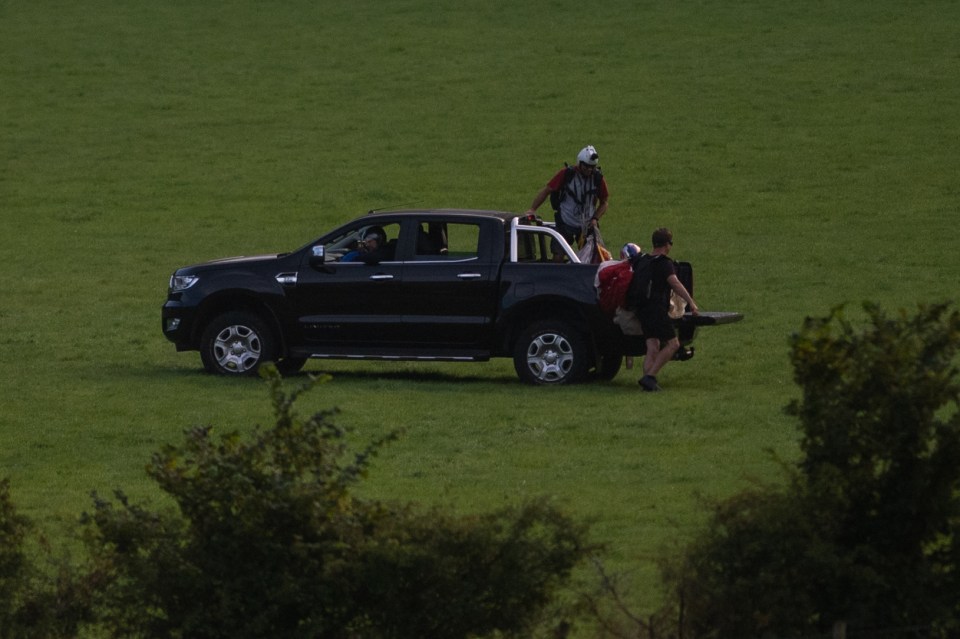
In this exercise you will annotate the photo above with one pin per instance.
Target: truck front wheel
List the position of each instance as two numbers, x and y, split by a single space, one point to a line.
236 343
550 352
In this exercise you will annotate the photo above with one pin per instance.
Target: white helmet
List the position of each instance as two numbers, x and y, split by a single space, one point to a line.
588 155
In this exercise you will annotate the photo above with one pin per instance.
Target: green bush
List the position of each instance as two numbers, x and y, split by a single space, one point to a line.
269 540
865 533
12 560
45 599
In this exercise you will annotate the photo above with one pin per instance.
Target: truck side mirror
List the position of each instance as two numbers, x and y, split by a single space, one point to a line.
317 255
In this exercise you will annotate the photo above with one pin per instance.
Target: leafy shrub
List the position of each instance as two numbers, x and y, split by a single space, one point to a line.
866 530
12 561
38 600
268 540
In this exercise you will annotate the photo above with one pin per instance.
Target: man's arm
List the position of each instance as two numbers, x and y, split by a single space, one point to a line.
602 198
598 213
681 290
539 199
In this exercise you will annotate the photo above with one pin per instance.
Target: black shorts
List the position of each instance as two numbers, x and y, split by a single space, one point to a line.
569 233
656 323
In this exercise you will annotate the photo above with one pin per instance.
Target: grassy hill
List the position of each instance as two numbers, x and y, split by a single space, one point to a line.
804 155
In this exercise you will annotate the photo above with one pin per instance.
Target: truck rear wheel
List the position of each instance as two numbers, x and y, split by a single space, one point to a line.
608 365
550 352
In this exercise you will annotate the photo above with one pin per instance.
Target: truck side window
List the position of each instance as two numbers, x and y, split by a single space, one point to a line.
447 241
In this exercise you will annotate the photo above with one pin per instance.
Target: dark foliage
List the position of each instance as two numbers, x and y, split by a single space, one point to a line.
13 564
866 530
45 599
269 541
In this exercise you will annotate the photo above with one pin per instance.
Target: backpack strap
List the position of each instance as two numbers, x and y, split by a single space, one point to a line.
640 260
558 196
582 198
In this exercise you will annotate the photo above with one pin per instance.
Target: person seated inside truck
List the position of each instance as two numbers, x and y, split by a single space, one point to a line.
372 248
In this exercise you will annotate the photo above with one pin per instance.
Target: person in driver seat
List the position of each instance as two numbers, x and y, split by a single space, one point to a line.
372 247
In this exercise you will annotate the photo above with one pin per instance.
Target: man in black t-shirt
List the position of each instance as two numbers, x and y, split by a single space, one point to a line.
661 337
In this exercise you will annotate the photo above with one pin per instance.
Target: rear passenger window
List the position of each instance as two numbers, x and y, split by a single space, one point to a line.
447 241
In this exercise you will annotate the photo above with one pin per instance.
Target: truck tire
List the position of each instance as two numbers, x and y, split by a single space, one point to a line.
608 366
290 365
550 352
236 343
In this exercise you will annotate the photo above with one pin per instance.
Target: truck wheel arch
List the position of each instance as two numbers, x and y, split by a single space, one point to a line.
225 303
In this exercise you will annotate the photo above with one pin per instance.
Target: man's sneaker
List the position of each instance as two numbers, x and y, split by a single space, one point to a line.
649 383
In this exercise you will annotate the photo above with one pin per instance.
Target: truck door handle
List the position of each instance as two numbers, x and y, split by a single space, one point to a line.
381 276
469 276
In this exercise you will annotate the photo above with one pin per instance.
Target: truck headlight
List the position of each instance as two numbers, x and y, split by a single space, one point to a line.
182 282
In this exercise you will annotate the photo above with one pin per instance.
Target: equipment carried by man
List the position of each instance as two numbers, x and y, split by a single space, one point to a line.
641 284
592 249
613 280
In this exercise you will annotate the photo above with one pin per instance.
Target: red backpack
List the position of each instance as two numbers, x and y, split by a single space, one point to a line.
613 282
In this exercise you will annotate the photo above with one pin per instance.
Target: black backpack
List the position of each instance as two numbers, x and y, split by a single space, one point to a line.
641 285
556 197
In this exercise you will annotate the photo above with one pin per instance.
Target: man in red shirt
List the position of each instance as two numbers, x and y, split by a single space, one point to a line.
581 198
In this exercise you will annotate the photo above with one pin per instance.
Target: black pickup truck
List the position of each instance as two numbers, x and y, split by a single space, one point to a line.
442 285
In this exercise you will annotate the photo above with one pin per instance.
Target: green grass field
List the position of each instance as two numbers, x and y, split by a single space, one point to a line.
804 154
